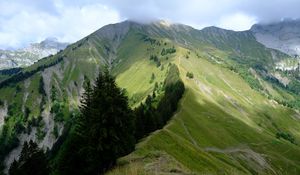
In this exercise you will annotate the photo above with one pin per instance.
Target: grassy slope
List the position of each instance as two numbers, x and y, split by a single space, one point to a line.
222 126
134 69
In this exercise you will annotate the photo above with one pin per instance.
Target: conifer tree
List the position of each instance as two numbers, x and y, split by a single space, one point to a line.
104 131
32 161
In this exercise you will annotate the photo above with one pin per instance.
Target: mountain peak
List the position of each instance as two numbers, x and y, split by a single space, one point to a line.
50 39
164 23
283 35
30 54
52 42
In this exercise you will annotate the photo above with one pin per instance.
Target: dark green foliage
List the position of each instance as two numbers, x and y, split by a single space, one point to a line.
173 76
19 127
274 81
61 140
42 92
152 78
57 109
103 132
286 136
41 87
86 82
32 161
35 121
10 72
158 63
7 143
168 51
152 41
26 113
163 52
55 131
53 93
77 46
13 126
11 109
149 118
294 86
40 133
20 76
190 75
173 93
155 86
18 88
155 59
247 76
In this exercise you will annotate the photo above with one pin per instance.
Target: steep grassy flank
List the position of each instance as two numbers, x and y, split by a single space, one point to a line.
135 71
222 126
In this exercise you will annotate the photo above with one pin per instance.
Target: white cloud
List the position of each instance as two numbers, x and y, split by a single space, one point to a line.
25 21
237 22
69 24
78 22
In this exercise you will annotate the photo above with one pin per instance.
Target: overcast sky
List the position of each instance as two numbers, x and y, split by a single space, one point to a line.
26 21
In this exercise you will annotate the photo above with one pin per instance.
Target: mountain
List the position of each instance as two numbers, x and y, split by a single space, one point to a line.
238 115
28 55
283 35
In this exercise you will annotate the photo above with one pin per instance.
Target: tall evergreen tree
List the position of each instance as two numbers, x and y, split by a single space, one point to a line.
32 161
104 131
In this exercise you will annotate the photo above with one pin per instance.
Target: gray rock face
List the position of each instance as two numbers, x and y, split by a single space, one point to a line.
283 36
28 55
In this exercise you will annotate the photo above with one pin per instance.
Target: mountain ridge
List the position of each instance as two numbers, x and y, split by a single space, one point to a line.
231 92
28 55
283 35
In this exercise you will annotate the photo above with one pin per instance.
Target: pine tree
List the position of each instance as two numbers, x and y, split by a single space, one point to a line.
32 161
104 131
110 127
53 93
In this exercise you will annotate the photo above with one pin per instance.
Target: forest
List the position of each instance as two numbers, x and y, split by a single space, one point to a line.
105 129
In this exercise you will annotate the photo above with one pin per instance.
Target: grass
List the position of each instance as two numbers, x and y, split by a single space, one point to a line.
222 125
218 112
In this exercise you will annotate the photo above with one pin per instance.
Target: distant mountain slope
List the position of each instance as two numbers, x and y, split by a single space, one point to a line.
228 118
284 35
222 127
28 55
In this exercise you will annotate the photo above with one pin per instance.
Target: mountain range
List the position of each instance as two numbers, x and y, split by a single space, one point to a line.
28 55
239 113
284 36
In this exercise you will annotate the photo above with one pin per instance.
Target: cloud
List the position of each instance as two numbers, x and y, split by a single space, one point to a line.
223 13
21 24
267 11
188 11
26 21
237 22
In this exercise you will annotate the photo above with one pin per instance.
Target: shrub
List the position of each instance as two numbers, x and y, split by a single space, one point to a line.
190 75
286 136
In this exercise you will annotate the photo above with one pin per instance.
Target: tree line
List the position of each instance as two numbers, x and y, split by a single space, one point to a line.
150 117
106 128
22 75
